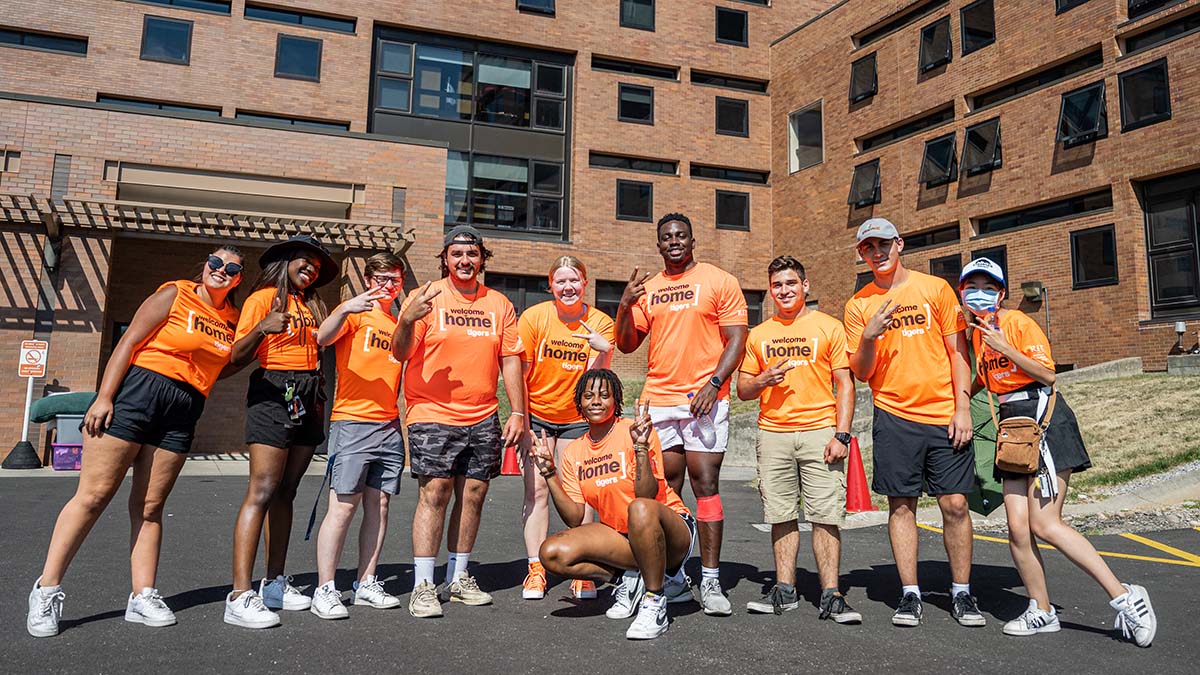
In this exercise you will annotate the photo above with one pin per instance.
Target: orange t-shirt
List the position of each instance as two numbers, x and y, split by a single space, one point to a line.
1022 332
295 348
815 345
683 315
912 368
451 377
556 359
368 377
194 343
602 474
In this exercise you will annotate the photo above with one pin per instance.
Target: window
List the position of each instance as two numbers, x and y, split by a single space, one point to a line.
862 279
936 237
725 173
897 21
729 82
299 18
215 6
503 91
166 40
1061 6
1072 207
635 201
936 49
982 151
604 161
733 210
499 191
522 291
864 83
538 6
10 161
754 306
805 139
864 187
1083 116
733 27
635 104
997 254
940 163
1093 257
912 127
551 80
394 90
1171 243
1040 78
1145 95
1157 35
608 296
443 80
1140 8
292 121
978 21
947 267
637 14
643 69
158 105
11 37
733 117
298 58
506 193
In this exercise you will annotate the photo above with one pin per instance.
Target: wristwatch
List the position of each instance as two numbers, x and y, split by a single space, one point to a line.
843 438
716 382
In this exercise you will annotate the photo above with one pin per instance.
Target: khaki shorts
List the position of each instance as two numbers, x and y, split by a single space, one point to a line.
791 466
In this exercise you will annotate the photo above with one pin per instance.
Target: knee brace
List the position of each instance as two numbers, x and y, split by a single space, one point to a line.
709 509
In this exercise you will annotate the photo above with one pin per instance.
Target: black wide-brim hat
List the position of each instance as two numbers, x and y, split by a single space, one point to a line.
284 250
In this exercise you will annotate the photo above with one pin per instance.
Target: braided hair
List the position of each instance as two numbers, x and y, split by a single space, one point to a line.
605 376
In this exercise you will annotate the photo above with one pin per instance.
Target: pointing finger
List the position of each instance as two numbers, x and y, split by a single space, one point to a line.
436 292
585 326
634 276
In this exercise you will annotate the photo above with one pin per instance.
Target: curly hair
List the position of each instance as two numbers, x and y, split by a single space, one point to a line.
676 218
605 377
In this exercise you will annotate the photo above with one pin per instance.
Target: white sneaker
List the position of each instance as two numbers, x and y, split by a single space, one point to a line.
424 604
713 599
327 603
1135 615
281 594
1034 621
651 620
627 596
45 610
248 611
149 608
678 588
370 592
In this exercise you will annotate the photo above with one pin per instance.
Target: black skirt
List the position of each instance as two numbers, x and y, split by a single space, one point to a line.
1062 436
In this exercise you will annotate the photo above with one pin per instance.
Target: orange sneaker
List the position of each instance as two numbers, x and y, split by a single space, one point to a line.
535 582
583 589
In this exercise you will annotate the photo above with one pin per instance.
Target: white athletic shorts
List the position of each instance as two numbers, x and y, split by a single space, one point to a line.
676 426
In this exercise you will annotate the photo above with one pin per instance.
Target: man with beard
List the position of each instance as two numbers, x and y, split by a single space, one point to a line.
458 337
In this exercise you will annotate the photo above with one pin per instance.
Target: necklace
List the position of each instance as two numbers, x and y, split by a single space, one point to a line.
600 440
459 296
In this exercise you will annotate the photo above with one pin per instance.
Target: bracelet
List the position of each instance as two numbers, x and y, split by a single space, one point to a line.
514 412
641 447
549 473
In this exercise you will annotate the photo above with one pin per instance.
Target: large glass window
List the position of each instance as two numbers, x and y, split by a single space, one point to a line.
806 145
1093 257
1171 243
504 90
1083 116
166 40
298 58
1145 95
505 193
443 82
637 14
864 82
978 21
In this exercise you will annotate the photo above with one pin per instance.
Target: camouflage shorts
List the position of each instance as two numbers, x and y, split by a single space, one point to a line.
443 451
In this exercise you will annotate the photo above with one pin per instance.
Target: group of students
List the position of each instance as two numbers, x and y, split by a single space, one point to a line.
614 481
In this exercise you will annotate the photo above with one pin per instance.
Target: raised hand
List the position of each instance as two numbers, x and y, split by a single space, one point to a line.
636 287
364 301
278 320
542 454
879 321
421 305
642 425
595 340
775 374
992 337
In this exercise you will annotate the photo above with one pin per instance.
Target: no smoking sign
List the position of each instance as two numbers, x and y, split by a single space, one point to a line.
32 362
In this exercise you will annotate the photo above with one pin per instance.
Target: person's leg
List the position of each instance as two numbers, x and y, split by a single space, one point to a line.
154 474
429 517
902 531
469 495
958 536
827 549
593 551
332 535
372 531
266 471
105 462
535 510
659 538
704 469
675 467
1025 553
785 542
279 514
1045 519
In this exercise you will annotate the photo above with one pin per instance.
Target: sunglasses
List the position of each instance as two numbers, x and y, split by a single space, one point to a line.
231 268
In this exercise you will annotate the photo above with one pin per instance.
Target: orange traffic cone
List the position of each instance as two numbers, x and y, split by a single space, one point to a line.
510 467
858 497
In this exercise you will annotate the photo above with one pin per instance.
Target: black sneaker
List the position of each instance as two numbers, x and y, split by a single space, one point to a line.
966 611
833 606
909 611
776 601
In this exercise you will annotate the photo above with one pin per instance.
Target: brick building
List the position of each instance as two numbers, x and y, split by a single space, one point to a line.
1056 136
135 134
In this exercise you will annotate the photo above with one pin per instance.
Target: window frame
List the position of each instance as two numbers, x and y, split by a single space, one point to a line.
794 138
1062 6
745 41
1151 119
300 15
951 173
997 160
874 89
146 20
612 295
593 154
962 27
320 51
622 87
957 257
877 192
1076 284
653 17
698 170
634 218
23 35
532 8
924 66
171 3
1154 6
744 104
989 252
523 283
1101 128
756 307
745 210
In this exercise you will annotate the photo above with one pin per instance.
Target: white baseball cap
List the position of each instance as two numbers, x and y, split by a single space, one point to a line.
982 266
881 228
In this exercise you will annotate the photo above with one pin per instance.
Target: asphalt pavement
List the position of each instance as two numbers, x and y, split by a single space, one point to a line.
556 634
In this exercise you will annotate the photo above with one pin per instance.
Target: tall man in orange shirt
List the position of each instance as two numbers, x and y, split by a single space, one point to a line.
458 337
904 331
695 316
793 362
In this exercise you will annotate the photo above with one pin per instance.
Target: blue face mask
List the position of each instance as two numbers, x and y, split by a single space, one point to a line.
981 301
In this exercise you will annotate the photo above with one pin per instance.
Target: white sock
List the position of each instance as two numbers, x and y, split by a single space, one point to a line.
534 559
710 572
457 567
905 590
955 589
330 585
54 589
369 579
423 570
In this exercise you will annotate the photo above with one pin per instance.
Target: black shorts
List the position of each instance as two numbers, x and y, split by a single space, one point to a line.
1062 437
153 409
569 431
911 457
444 451
268 420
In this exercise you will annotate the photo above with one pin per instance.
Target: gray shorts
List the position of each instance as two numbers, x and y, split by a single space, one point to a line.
367 454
